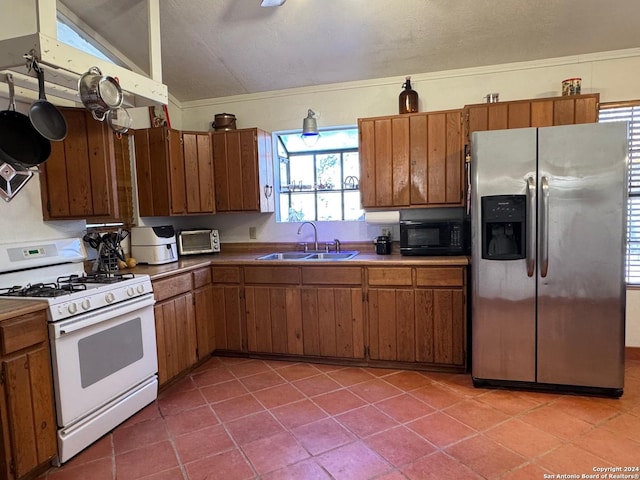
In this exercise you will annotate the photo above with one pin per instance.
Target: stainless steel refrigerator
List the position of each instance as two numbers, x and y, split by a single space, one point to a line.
548 242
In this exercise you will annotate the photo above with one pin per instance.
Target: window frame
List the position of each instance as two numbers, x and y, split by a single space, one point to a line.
279 145
632 243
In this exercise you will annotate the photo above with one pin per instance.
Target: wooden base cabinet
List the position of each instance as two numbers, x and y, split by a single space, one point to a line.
333 312
417 315
273 310
27 411
204 312
176 336
227 307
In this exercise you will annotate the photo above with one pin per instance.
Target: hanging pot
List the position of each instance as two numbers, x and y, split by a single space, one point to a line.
12 179
119 120
44 115
99 93
224 121
20 142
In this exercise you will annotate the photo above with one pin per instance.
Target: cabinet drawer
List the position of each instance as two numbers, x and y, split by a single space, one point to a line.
22 332
440 277
390 276
201 277
332 275
225 274
172 286
272 275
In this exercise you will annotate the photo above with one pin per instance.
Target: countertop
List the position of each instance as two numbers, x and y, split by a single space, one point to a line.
10 308
250 258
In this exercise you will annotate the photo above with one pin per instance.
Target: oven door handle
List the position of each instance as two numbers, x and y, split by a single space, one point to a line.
79 322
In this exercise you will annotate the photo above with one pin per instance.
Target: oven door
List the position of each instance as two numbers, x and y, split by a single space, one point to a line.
100 355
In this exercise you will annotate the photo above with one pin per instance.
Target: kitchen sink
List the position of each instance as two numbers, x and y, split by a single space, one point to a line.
346 255
284 256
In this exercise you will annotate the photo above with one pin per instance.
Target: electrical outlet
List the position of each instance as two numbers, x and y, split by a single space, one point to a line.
386 232
252 233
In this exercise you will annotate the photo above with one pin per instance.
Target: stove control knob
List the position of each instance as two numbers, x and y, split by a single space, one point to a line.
73 308
86 304
140 289
131 292
110 297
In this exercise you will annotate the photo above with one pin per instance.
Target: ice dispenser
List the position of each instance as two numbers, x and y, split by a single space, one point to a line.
503 227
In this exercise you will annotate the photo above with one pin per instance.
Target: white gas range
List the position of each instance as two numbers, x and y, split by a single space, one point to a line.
101 332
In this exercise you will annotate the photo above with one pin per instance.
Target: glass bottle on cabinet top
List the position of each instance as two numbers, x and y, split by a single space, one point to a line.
408 99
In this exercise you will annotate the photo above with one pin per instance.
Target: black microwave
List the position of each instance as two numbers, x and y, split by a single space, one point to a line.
436 231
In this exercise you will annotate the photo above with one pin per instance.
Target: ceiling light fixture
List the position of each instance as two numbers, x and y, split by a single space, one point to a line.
272 3
310 132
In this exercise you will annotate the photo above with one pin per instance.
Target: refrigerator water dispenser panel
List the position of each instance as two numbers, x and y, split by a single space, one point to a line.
504 227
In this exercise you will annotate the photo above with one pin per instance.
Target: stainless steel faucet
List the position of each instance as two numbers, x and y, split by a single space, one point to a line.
315 233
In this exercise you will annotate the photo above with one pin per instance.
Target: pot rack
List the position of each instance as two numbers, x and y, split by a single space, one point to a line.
64 64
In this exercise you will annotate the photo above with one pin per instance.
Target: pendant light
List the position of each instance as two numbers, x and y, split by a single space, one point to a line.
310 132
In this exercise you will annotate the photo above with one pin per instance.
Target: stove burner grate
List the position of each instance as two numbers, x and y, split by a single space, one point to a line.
41 290
99 277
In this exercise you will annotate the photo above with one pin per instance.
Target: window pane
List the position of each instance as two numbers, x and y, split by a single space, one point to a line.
352 210
330 206
328 171
302 173
303 207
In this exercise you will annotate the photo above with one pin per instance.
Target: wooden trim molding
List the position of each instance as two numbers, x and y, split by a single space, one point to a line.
632 353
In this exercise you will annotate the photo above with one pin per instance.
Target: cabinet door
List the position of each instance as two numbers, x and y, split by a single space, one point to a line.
79 178
160 172
239 157
198 165
384 161
29 407
274 323
175 336
227 305
392 319
436 158
205 328
333 322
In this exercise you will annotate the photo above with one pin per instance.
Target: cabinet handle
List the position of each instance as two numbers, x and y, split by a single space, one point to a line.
268 190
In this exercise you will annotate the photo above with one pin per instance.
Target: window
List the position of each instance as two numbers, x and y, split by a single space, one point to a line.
630 112
71 35
320 182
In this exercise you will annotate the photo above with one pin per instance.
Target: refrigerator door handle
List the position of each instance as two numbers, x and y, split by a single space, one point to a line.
544 227
531 226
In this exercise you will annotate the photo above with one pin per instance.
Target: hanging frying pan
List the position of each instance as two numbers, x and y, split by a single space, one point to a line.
19 141
44 115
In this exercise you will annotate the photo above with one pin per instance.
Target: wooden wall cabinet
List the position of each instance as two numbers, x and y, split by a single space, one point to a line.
418 315
176 335
243 170
227 306
160 172
411 160
198 172
78 181
26 396
541 112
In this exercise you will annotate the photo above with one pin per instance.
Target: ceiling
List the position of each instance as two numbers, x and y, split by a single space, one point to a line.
219 48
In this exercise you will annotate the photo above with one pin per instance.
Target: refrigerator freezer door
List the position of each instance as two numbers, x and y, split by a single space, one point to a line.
503 298
581 299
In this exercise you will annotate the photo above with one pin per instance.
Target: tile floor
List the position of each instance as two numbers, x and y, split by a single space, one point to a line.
252 419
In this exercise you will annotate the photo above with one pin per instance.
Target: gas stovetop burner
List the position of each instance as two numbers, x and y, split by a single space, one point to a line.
41 290
104 278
